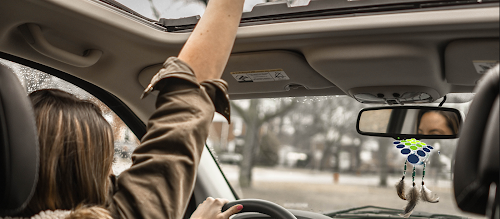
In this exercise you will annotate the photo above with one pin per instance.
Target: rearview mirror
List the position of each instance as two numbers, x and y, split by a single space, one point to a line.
404 122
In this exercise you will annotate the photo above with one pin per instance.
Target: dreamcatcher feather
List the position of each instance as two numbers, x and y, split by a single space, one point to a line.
417 153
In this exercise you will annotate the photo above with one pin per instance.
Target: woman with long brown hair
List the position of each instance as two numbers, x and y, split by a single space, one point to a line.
76 142
76 155
76 152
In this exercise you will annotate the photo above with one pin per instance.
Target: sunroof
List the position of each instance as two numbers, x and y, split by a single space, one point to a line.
171 9
182 15
156 9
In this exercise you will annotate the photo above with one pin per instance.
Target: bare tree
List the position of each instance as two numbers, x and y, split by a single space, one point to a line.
254 118
383 145
155 11
330 119
324 120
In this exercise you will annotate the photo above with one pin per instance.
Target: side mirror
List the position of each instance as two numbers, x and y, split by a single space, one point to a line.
404 122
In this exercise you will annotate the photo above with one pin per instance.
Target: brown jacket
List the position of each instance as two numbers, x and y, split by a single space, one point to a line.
160 182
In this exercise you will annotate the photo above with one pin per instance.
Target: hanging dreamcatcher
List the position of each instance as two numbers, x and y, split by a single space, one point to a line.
416 153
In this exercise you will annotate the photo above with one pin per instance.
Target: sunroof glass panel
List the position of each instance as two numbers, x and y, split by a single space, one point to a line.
155 9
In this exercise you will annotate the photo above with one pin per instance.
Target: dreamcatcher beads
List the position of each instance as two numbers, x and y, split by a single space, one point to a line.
417 153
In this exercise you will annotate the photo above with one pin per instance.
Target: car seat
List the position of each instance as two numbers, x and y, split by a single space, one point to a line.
476 172
18 145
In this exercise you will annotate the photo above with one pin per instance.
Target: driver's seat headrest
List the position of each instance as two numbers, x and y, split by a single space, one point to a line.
18 145
476 170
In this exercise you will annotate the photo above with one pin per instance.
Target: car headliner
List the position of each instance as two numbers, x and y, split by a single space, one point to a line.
429 51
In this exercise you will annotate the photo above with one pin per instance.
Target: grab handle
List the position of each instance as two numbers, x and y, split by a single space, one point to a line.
33 35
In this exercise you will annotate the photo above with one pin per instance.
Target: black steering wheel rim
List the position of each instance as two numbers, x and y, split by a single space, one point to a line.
261 206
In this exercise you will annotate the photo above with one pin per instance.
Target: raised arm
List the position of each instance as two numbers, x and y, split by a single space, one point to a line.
161 179
207 49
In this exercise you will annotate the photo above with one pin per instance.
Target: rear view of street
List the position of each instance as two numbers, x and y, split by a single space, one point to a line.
316 191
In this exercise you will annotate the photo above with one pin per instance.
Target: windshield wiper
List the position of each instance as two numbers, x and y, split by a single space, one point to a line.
381 212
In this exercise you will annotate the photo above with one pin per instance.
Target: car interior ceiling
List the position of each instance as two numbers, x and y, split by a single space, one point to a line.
333 56
429 51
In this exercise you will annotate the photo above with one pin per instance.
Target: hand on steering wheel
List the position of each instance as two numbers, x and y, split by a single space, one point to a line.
261 206
212 209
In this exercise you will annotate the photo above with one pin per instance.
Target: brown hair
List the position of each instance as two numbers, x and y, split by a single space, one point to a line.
452 120
76 152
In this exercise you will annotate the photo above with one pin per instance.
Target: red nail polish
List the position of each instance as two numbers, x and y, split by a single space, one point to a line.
239 207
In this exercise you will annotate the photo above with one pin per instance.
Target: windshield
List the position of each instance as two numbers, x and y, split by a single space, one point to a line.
304 153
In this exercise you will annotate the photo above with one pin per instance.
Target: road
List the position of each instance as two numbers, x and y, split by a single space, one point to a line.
315 191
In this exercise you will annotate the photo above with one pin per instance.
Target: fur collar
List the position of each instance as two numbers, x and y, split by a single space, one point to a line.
48 214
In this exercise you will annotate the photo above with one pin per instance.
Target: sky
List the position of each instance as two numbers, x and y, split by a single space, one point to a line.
175 8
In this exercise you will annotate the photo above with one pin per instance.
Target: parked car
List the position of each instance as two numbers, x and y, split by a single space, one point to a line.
230 158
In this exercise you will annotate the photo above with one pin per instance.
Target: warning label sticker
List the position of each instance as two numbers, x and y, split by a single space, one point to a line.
482 66
260 75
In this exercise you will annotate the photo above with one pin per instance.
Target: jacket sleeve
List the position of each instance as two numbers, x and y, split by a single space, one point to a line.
160 181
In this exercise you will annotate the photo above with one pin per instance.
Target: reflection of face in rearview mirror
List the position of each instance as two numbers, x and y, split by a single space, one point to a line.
410 122
437 123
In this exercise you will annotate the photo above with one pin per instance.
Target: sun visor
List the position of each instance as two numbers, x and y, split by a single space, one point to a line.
271 71
377 72
467 60
262 72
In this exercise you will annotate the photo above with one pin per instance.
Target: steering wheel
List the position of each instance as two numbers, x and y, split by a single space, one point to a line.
261 206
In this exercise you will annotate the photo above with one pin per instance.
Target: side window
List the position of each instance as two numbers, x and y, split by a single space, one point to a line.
125 140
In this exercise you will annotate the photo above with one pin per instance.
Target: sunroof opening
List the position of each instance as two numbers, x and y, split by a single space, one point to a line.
182 15
156 9
172 9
